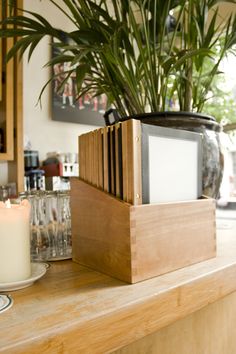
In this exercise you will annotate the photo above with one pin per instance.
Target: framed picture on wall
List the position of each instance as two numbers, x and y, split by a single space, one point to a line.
66 106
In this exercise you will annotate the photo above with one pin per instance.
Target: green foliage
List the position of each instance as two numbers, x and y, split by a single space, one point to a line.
222 102
129 50
195 77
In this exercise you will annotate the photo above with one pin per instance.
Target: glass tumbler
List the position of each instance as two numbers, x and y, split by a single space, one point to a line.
51 212
64 243
40 241
50 223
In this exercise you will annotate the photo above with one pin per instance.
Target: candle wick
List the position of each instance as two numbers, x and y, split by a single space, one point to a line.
8 204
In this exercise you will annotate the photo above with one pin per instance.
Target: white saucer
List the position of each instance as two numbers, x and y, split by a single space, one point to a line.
5 302
59 258
37 271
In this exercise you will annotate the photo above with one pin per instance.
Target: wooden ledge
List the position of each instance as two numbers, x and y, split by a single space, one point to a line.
75 309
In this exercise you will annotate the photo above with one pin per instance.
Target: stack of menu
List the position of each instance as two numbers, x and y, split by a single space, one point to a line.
110 159
142 163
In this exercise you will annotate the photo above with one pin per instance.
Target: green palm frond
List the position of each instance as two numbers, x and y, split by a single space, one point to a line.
132 50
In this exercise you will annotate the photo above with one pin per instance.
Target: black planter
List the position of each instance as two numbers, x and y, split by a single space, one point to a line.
213 160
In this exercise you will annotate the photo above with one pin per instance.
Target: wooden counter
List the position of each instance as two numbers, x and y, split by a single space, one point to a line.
73 309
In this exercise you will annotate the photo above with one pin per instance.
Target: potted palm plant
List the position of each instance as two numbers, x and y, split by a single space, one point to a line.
141 54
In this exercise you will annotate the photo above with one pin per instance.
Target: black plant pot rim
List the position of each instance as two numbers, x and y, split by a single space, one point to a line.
178 119
167 114
175 115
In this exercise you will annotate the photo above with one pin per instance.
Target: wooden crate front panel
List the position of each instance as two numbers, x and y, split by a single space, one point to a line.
169 236
134 243
100 230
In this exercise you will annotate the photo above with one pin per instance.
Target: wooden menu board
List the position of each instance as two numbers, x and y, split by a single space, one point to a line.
110 159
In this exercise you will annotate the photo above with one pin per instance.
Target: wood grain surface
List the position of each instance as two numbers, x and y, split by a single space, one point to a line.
100 228
110 159
7 99
210 330
11 108
106 183
1 58
73 309
134 243
169 236
16 168
100 159
131 161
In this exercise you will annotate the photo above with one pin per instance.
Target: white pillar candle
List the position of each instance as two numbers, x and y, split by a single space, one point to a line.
14 242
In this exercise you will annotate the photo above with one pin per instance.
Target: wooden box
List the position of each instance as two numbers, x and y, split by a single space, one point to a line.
137 242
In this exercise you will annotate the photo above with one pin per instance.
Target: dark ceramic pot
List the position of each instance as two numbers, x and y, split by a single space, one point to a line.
213 161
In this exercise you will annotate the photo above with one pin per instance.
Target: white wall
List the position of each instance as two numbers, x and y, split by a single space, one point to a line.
45 135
